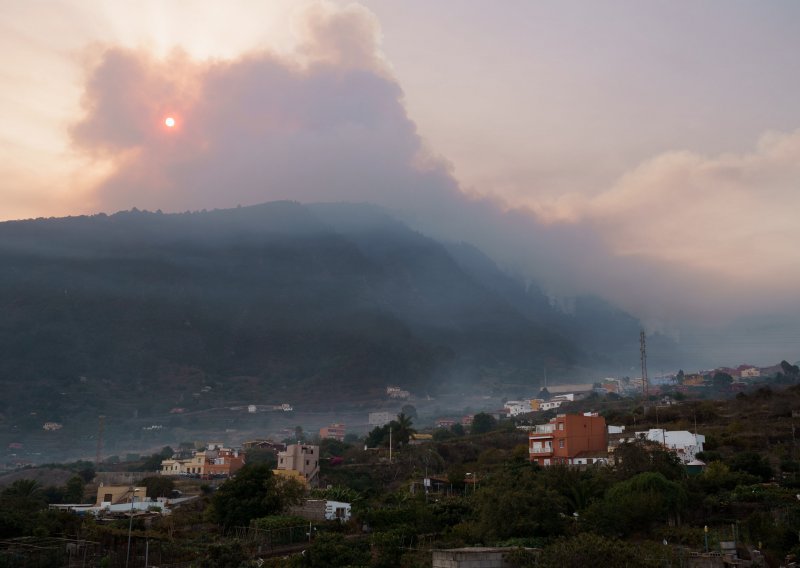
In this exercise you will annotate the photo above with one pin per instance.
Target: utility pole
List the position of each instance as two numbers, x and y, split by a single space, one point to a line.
130 525
390 444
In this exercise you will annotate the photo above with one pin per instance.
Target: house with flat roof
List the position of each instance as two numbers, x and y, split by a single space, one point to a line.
682 443
300 461
116 494
333 432
570 439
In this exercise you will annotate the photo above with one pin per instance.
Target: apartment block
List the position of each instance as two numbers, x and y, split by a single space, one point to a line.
570 439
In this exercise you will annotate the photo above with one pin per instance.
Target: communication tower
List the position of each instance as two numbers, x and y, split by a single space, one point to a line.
643 351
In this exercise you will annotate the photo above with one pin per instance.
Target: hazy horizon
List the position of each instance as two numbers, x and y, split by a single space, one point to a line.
646 153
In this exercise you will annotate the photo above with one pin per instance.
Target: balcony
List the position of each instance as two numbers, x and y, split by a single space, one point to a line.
541 450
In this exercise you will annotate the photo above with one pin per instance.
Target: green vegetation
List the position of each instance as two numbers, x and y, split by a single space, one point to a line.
399 431
255 492
644 510
482 423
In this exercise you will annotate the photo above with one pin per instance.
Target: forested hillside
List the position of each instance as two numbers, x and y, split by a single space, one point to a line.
135 312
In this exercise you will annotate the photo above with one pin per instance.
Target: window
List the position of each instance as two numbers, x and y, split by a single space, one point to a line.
560 425
561 443
107 497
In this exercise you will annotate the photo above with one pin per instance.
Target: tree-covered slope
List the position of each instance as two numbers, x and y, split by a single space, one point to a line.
136 312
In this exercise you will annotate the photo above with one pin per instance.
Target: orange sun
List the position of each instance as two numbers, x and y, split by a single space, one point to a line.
169 122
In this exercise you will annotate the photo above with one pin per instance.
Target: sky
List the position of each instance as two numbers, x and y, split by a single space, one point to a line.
648 152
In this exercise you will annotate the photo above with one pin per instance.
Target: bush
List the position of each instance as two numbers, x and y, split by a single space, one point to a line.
589 549
482 423
255 492
752 463
224 555
330 549
278 522
637 504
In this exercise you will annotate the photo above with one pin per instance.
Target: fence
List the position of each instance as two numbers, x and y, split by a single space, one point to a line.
266 540
34 552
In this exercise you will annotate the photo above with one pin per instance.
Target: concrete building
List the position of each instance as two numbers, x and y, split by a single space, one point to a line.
397 392
379 418
116 500
116 494
571 439
223 462
684 444
418 439
333 432
551 404
750 373
517 407
322 510
301 461
216 461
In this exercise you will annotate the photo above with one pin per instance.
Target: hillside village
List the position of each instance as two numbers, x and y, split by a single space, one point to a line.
406 495
669 388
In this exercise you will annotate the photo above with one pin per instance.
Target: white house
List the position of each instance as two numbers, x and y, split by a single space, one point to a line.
550 404
517 407
685 444
322 510
337 510
397 392
556 401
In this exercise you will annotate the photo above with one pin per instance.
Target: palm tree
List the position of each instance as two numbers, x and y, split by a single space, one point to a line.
403 425
24 495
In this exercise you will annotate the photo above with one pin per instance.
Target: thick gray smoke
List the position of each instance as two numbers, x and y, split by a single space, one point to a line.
329 124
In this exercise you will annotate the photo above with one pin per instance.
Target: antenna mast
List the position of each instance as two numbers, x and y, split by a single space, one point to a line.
643 351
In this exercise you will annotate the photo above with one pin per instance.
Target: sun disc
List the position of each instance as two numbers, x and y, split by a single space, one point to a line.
169 121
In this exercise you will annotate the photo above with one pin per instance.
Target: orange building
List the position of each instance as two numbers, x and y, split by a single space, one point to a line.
334 431
225 463
570 439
